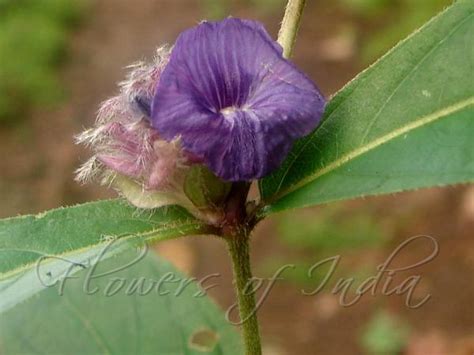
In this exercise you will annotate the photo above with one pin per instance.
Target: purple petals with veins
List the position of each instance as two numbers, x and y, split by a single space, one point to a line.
232 99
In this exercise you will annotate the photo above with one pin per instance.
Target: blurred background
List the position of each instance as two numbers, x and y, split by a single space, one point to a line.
60 58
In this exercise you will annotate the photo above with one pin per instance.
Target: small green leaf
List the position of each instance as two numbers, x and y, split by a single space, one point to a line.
404 123
145 308
76 235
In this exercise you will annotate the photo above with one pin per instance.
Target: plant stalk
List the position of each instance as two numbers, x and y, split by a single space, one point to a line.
237 232
239 251
289 25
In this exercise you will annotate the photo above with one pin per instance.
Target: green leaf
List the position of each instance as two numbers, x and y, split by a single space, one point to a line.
76 235
404 123
120 312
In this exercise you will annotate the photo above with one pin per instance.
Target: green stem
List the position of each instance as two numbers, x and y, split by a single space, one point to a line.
239 251
289 25
237 232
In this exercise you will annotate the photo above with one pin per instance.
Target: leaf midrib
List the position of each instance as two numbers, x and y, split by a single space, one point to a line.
381 140
187 227
377 142
409 74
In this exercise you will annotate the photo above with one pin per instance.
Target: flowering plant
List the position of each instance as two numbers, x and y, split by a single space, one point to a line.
223 108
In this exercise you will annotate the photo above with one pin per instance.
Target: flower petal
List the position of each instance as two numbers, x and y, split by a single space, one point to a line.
233 100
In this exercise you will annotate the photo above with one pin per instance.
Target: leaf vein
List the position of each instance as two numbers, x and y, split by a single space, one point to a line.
377 142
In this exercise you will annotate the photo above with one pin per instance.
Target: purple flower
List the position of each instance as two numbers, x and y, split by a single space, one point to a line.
232 99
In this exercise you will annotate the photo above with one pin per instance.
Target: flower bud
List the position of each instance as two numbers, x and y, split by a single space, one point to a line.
129 154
